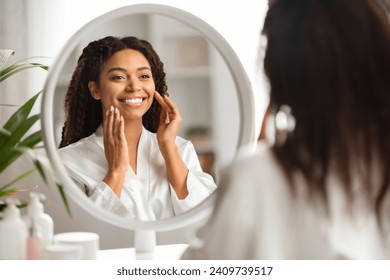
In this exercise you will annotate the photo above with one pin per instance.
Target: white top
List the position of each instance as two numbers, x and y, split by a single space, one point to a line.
146 195
257 217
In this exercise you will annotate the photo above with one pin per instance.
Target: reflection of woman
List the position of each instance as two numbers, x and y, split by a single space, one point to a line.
323 190
119 138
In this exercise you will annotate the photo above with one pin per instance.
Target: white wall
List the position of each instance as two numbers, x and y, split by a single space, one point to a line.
41 28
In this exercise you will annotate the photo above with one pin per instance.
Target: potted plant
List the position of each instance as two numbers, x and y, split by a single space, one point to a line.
15 139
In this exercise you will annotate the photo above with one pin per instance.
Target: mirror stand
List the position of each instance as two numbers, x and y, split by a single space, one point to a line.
144 241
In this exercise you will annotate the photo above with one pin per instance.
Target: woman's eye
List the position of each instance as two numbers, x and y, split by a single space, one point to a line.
116 78
144 76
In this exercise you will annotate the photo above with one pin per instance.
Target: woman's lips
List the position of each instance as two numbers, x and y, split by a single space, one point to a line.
132 100
136 101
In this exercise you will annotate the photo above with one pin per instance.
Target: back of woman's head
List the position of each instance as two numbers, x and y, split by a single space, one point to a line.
329 61
83 114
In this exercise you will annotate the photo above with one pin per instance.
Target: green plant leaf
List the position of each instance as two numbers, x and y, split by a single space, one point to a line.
40 169
30 153
20 177
13 145
21 114
29 142
10 159
4 133
8 192
17 67
12 142
64 199
32 140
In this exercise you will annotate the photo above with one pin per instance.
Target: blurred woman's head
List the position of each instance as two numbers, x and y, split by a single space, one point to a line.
329 62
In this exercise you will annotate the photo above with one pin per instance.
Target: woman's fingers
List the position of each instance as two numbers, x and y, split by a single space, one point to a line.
171 106
164 119
113 127
115 124
168 105
160 100
121 134
115 144
170 120
108 123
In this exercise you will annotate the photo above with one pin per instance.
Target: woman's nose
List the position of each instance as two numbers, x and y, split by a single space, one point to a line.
132 88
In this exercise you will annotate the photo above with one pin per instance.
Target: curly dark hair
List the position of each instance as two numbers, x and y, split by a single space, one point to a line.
329 61
83 114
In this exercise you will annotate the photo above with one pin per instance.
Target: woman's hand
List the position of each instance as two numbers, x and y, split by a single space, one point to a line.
115 149
170 120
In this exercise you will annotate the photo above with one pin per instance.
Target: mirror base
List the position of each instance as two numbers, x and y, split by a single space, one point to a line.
144 241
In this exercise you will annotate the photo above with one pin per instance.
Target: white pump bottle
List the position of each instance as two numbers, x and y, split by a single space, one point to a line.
13 234
35 211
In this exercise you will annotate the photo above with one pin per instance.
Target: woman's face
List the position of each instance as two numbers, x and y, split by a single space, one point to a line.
126 82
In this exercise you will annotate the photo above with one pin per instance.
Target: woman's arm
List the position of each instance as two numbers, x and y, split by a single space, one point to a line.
170 120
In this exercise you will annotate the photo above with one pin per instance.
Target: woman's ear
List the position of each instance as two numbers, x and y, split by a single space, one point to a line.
93 90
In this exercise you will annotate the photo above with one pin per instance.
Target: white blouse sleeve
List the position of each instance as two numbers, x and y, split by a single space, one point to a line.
101 194
199 184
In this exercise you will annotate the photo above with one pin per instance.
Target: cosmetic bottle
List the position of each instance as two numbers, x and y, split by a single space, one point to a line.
34 242
35 212
13 233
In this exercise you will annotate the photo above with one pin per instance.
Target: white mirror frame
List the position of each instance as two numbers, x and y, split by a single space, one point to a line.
244 90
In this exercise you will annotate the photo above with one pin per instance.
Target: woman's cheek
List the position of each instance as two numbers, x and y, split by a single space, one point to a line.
150 88
107 102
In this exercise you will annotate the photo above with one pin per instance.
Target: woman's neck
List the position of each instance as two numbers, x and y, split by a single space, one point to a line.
133 130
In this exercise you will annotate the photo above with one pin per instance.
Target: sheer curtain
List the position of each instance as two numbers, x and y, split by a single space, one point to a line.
13 30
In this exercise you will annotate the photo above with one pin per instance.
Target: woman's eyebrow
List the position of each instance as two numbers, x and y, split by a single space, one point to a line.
117 69
141 68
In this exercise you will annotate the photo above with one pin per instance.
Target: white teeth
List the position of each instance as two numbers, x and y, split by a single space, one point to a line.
133 101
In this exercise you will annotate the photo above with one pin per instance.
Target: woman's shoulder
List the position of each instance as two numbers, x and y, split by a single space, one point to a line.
84 144
255 167
256 155
180 141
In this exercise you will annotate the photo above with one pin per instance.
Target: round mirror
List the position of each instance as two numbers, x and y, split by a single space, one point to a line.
205 79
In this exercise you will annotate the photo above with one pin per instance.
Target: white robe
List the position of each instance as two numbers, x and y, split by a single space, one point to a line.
257 217
146 195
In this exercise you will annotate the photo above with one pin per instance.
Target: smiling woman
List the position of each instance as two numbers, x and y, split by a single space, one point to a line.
117 143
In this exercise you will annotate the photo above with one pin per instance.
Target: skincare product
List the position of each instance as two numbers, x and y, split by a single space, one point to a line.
34 243
13 234
63 252
88 241
43 221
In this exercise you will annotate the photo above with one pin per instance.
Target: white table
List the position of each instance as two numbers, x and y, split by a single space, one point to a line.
161 252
